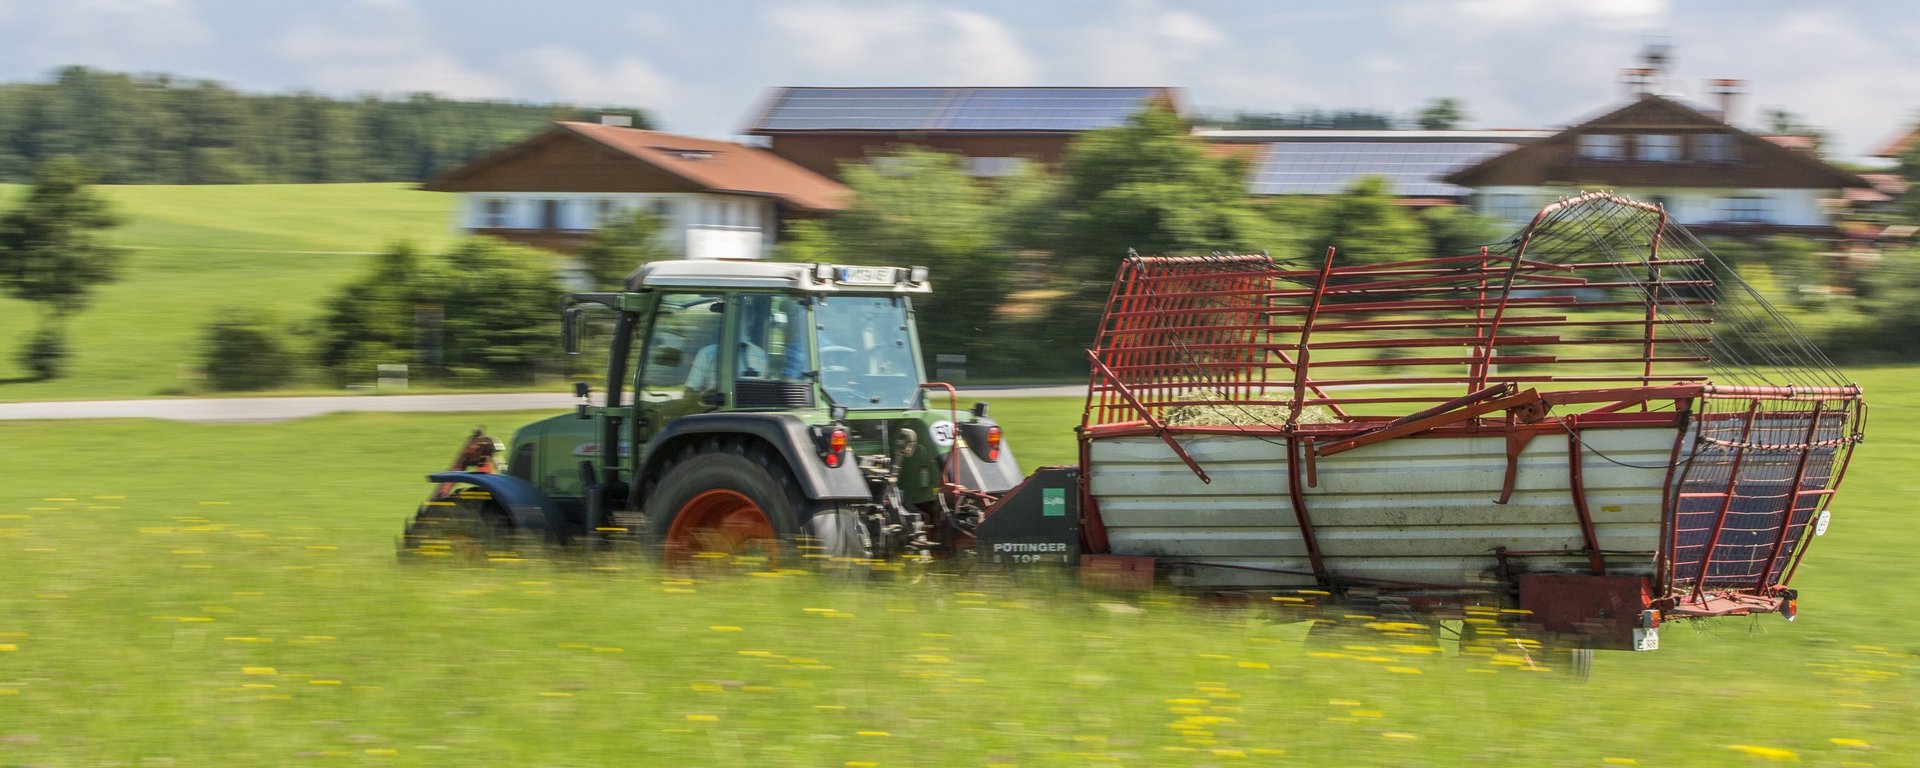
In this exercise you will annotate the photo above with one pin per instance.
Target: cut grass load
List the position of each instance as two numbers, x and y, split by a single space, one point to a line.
213 598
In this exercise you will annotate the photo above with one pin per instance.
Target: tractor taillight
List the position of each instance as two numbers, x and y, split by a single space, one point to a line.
993 443
836 447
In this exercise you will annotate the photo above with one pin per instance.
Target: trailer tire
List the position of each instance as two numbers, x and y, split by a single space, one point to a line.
727 498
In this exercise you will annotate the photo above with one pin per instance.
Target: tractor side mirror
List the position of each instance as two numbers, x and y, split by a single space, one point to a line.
580 389
570 322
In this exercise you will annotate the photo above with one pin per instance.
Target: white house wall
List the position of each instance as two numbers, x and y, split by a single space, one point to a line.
1785 207
695 225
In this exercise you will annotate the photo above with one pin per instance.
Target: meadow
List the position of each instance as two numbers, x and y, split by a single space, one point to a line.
192 250
193 594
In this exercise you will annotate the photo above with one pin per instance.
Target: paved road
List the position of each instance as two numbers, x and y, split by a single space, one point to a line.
285 408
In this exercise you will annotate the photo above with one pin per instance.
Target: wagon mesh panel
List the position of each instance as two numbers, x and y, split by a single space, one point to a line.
1598 296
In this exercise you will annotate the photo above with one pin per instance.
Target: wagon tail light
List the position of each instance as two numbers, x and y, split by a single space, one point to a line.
993 443
835 450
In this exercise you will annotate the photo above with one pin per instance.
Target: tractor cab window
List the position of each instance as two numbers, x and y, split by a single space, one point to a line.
867 354
771 363
679 365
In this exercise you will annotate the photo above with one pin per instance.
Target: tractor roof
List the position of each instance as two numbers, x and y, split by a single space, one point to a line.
818 278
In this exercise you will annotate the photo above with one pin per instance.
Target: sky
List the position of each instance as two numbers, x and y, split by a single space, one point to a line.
702 67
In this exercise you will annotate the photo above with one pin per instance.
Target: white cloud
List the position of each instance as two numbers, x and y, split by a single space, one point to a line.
383 46
562 74
112 34
1145 44
900 43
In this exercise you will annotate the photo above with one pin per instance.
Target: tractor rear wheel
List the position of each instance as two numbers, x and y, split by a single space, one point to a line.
725 499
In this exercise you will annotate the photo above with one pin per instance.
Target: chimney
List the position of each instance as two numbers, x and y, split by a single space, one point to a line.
617 121
1726 94
1638 81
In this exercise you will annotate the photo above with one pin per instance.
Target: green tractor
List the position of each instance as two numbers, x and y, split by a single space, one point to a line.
751 409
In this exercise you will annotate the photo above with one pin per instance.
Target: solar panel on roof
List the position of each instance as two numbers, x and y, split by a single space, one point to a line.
1324 168
954 109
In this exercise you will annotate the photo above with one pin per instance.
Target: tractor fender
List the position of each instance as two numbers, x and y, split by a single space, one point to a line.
785 434
526 506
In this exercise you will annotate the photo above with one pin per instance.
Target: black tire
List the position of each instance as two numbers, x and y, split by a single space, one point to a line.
805 531
718 465
835 539
459 528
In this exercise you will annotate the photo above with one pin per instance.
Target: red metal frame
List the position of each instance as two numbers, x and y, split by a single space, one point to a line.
1601 314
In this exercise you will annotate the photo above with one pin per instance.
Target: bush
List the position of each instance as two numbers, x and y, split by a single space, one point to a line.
244 351
46 354
482 312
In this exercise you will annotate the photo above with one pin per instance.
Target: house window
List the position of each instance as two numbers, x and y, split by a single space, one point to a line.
1714 148
1746 210
549 214
1656 148
663 209
493 213
606 211
1601 146
988 167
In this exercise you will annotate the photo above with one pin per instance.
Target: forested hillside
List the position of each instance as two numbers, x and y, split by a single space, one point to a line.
156 129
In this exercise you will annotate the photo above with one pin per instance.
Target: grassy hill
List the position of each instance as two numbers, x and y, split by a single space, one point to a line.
195 249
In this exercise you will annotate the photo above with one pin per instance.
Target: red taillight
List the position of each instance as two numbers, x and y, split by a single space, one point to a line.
836 447
993 443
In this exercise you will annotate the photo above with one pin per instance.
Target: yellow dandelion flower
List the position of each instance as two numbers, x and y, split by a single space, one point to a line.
260 671
1398 736
724 628
1766 753
703 718
1855 743
872 733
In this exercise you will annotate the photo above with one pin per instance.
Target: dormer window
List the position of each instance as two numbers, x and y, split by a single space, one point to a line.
1601 146
691 155
1714 148
1657 148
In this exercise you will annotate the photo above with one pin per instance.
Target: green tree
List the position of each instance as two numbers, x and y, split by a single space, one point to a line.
622 246
1444 114
1150 187
1455 231
483 310
1367 225
920 208
500 304
370 322
52 252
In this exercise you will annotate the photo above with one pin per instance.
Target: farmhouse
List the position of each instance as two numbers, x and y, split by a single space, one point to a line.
1709 175
718 200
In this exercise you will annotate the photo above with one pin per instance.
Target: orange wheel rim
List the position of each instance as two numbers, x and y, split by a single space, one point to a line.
720 523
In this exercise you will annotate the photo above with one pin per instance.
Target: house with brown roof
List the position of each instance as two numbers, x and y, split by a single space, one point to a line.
717 199
997 130
1710 176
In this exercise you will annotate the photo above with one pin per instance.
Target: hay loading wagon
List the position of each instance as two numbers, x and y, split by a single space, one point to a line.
1596 421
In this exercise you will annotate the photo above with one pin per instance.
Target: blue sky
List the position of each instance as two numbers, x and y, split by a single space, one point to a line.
1852 68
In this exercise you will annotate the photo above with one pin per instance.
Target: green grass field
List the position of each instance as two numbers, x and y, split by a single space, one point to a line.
195 249
193 594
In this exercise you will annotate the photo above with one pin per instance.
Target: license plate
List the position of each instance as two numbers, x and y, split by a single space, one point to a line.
1646 638
867 275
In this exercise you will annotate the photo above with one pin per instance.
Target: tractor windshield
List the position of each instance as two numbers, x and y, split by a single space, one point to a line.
867 354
